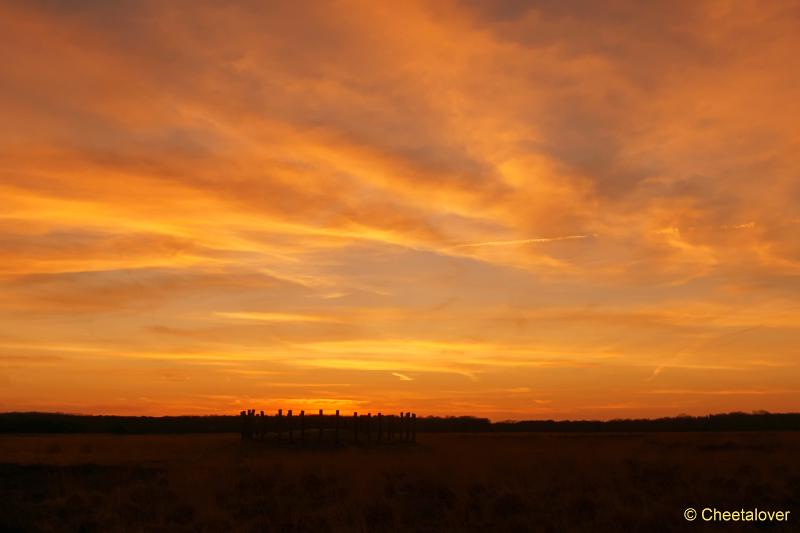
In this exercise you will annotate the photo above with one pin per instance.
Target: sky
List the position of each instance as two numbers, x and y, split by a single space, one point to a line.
551 209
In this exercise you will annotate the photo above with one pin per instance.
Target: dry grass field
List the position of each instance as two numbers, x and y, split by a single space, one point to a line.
446 482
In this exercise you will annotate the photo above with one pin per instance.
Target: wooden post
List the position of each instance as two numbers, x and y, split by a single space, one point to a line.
380 426
279 424
289 425
337 427
389 427
401 425
355 427
320 426
369 423
408 426
244 426
413 427
302 426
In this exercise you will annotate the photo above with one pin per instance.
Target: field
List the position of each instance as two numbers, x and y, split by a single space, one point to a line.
446 482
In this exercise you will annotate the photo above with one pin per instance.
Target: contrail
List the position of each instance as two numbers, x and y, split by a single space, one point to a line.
524 241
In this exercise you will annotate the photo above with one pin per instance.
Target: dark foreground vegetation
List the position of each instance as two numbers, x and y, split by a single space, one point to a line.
488 482
66 423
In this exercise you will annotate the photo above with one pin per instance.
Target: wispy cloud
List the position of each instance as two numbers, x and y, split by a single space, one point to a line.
273 317
524 241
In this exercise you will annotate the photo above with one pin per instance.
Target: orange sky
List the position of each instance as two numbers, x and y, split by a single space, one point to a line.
512 210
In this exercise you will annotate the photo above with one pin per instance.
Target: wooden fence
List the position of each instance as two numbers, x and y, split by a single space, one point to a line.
329 429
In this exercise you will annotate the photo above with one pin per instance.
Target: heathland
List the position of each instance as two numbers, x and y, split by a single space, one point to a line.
445 482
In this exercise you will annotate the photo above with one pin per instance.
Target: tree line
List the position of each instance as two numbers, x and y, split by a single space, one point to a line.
35 422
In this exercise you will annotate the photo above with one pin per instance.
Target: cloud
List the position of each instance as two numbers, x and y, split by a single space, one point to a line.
523 241
590 190
274 317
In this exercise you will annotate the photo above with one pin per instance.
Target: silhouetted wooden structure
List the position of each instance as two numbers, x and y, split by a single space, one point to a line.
376 430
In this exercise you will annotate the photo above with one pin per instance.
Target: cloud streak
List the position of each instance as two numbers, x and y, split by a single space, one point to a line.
525 241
